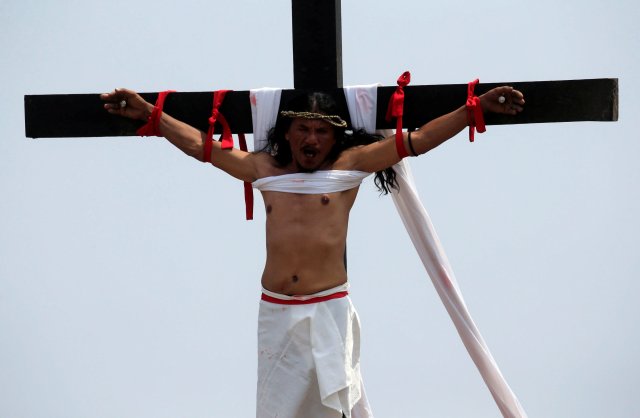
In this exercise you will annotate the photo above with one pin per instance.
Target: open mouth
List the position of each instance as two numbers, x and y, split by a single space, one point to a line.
309 152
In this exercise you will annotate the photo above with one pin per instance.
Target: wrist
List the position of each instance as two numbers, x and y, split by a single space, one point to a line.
483 103
147 111
153 115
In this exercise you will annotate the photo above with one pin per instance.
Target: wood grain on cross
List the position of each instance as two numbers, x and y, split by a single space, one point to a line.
317 57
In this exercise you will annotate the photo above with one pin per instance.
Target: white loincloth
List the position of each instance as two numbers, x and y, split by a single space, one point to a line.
309 359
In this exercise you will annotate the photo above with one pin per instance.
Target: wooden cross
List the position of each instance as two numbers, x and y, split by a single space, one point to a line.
317 57
317 50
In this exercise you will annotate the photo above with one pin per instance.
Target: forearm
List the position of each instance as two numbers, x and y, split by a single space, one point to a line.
129 104
239 164
438 131
504 100
185 137
383 154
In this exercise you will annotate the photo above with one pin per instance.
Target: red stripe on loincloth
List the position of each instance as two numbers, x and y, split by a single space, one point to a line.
317 299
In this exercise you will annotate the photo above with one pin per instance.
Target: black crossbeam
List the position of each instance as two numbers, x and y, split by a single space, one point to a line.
82 115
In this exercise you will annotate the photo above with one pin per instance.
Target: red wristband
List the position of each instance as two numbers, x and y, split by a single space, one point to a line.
475 116
152 127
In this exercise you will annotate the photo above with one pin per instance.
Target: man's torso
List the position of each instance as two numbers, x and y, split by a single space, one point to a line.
306 235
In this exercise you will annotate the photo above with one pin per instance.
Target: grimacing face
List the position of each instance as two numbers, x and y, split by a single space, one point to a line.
311 142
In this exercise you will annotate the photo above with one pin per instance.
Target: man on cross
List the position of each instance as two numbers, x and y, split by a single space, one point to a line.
309 176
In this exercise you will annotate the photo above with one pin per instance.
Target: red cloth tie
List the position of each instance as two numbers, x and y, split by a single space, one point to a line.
475 116
227 143
248 190
396 110
216 116
152 127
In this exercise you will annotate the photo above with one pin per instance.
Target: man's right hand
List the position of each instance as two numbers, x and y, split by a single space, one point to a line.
135 107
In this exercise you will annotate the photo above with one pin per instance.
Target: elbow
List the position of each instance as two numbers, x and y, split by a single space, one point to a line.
197 151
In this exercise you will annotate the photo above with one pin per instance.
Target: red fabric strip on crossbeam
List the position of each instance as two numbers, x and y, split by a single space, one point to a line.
475 117
248 190
152 127
396 110
227 143
217 117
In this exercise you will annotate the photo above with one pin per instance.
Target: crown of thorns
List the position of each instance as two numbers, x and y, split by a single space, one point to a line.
334 120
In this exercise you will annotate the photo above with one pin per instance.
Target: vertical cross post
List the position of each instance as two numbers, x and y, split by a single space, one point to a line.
317 44
317 47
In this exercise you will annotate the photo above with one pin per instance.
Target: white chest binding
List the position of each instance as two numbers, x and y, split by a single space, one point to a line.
318 182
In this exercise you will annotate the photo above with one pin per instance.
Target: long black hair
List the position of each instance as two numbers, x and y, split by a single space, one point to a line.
318 102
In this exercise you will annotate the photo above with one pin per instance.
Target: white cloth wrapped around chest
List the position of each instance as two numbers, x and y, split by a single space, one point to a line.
327 181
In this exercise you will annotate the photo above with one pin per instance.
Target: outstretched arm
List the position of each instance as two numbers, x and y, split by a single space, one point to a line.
190 140
383 154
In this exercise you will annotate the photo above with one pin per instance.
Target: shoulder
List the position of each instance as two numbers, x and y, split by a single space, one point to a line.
266 165
372 157
348 158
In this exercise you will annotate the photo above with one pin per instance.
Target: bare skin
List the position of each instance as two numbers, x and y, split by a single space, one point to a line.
306 234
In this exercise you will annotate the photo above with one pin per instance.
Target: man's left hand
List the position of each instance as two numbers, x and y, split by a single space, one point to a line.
513 101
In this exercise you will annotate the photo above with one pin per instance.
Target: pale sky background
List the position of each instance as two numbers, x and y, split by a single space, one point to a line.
129 279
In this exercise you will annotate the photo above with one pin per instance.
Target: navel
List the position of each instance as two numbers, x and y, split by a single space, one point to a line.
269 208
295 279
325 199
